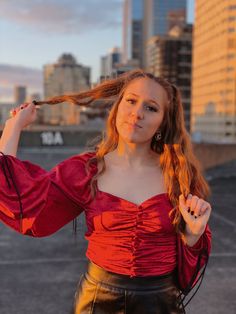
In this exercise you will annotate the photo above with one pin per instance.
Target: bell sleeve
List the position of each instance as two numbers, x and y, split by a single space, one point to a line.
37 202
192 261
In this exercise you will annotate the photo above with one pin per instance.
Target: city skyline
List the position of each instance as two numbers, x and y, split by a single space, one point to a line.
37 33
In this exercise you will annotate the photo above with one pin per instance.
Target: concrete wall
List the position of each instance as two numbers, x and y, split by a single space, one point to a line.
209 155
51 138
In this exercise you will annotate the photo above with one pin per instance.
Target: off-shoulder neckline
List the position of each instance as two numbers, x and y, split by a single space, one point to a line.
156 196
163 195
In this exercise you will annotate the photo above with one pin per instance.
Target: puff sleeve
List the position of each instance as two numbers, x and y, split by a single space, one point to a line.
192 261
37 202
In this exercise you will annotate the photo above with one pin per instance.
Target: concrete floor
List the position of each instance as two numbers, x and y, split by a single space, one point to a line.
39 275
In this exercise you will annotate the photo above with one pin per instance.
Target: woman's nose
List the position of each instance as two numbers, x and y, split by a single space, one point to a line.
138 111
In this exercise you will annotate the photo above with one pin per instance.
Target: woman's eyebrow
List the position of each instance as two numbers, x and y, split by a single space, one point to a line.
149 100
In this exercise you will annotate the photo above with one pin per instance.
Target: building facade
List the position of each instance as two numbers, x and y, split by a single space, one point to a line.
132 31
170 56
109 62
104 66
5 109
64 77
159 17
213 113
19 94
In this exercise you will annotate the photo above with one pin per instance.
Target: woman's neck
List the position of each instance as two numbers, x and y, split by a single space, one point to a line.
133 155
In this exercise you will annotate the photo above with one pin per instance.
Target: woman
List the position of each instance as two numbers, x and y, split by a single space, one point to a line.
142 192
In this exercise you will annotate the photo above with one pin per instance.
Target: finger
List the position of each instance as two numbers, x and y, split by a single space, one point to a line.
33 108
12 113
198 208
28 106
193 204
206 208
31 105
25 105
182 203
183 208
21 107
188 202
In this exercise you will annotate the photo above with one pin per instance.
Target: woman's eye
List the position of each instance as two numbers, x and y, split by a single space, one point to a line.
131 101
150 108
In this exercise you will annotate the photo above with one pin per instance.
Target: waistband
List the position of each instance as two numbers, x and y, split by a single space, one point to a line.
98 274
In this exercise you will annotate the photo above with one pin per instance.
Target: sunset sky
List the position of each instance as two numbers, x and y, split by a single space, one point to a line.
37 32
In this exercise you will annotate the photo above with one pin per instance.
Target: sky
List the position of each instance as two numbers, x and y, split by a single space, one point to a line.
36 32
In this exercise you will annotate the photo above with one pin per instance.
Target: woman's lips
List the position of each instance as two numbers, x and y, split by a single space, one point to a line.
134 125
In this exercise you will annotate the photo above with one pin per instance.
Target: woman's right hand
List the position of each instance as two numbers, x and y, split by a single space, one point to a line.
23 115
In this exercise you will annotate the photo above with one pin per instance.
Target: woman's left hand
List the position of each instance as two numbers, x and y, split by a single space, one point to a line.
196 213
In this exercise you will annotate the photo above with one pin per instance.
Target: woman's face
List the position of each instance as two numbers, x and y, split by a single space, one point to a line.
141 110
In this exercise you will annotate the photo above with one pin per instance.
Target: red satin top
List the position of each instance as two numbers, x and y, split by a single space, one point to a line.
125 238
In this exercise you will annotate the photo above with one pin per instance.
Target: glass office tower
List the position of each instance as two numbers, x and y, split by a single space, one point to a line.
132 31
159 17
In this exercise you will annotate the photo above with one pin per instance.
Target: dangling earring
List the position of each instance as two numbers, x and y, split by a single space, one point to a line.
158 136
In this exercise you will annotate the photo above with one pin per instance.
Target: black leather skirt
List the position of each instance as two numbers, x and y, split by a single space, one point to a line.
104 292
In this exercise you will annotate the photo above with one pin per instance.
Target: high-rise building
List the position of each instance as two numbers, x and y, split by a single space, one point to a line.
64 77
170 56
121 68
213 111
176 18
104 66
109 62
132 31
159 17
114 58
19 94
5 109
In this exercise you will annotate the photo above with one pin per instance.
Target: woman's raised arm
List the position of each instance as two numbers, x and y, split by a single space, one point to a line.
37 202
22 116
34 201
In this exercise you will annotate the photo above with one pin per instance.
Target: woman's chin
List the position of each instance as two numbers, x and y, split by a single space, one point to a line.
133 140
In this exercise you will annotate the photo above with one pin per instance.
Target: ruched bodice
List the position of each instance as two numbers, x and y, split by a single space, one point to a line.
134 239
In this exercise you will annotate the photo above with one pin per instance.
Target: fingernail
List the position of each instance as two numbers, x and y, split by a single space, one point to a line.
188 209
192 212
195 217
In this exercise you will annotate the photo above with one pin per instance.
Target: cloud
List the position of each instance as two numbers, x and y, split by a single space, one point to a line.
63 16
11 75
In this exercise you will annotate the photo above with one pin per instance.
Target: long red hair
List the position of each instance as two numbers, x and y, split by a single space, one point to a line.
181 170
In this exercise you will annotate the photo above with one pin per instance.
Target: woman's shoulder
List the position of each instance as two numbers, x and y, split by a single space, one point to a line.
77 163
81 158
72 173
